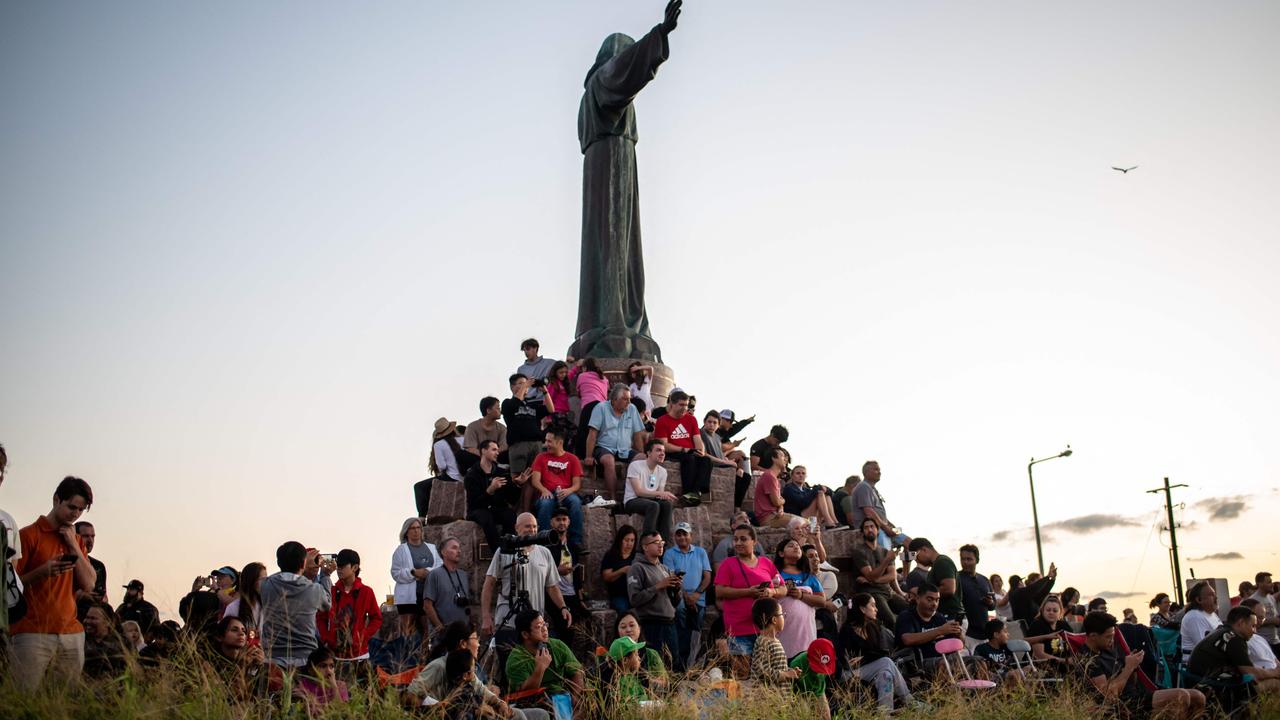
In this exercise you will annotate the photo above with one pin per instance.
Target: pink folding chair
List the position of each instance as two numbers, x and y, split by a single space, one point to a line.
950 649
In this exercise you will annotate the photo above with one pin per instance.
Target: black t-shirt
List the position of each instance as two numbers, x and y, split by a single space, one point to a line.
1056 647
1108 664
1001 659
1221 652
612 561
973 592
911 622
762 447
869 649
864 556
1025 601
523 419
477 482
944 568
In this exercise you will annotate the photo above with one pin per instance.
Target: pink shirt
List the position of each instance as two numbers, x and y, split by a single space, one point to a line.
591 387
735 574
766 486
801 627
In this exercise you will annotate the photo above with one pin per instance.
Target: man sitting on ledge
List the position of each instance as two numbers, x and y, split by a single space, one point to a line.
682 437
615 434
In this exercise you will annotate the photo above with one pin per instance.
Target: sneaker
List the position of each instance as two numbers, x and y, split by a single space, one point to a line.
692 498
600 502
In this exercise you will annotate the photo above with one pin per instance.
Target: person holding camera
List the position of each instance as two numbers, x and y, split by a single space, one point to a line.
447 598
290 601
528 575
652 589
525 418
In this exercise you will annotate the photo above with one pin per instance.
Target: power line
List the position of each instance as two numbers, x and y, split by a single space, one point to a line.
1173 536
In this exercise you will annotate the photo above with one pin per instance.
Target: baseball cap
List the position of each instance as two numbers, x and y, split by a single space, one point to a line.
134 585
684 527
624 646
822 656
727 415
226 570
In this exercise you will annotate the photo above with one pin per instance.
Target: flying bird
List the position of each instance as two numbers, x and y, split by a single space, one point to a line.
1124 170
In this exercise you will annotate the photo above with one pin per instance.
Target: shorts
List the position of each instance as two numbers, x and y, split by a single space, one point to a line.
598 453
742 645
414 610
887 542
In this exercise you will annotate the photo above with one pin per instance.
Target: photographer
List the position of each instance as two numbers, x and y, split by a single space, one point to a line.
447 598
528 575
650 587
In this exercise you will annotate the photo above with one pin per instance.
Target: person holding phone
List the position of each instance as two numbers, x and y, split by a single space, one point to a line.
52 567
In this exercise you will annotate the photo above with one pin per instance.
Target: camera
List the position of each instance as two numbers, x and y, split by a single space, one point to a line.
510 543
461 600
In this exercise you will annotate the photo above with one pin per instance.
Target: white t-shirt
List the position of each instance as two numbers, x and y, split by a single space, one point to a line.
642 391
1260 653
649 480
11 535
1269 610
445 459
1196 626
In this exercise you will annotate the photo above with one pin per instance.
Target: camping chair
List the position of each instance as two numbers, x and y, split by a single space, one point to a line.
1075 641
1021 651
1232 695
1169 648
950 649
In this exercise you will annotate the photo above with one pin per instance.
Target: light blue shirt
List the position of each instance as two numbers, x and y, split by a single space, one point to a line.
614 433
693 563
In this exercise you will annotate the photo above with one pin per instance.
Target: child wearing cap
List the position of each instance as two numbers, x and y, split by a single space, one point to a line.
814 665
625 653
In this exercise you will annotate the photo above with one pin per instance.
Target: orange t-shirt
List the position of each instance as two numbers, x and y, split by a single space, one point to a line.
51 602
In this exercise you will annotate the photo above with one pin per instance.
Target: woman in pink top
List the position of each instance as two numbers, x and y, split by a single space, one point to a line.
740 581
558 385
593 388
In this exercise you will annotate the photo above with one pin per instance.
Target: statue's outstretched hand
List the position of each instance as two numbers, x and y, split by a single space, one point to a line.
671 16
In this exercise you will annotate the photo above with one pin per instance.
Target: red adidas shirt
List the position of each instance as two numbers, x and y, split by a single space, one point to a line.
557 472
677 432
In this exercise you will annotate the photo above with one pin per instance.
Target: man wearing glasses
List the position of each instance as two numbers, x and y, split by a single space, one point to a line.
649 587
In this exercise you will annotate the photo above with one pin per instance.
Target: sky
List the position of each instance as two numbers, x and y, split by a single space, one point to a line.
250 252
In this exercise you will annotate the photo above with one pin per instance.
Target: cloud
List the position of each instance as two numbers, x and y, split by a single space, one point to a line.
1116 595
1086 524
1224 508
1219 556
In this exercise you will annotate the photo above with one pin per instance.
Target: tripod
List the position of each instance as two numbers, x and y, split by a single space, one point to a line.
517 597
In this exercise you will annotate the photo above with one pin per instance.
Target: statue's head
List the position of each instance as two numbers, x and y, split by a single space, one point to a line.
609 49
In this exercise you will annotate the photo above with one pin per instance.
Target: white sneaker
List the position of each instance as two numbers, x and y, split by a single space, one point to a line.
600 502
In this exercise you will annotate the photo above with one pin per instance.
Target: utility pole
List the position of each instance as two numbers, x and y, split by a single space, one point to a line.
1173 536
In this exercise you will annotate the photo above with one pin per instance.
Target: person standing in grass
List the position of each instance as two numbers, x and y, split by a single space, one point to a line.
768 659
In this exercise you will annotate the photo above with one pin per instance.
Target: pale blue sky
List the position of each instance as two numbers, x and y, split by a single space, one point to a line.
250 252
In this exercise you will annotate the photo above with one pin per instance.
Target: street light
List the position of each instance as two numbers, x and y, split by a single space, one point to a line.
1035 516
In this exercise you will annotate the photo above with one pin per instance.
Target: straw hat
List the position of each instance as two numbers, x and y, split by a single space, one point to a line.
444 428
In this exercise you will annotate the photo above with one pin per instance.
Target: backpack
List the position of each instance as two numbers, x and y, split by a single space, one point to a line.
15 602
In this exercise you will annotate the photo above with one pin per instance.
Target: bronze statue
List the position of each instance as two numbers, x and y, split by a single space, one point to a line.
612 321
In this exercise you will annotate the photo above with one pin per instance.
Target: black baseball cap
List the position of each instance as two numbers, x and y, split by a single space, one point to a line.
134 585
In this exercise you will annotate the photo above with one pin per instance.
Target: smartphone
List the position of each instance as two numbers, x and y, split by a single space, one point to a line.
254 641
69 557
762 586
331 557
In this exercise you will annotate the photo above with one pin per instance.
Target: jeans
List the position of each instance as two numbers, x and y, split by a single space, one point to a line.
884 676
490 521
657 515
887 542
661 636
686 625
32 654
542 507
695 472
619 603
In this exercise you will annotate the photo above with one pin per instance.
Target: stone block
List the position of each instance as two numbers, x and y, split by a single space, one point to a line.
769 539
448 502
603 624
839 543
597 530
720 506
432 534
469 537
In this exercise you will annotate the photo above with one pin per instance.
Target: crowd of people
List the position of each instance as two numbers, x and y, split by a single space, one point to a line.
899 616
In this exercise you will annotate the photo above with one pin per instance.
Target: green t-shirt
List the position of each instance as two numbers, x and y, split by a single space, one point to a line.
945 569
563 664
630 688
653 663
809 682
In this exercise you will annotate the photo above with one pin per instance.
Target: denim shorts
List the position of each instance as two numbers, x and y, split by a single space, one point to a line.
742 644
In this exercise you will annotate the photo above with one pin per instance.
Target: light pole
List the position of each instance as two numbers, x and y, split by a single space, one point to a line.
1035 516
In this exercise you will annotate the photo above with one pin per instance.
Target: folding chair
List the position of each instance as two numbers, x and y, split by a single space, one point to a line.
1021 651
950 648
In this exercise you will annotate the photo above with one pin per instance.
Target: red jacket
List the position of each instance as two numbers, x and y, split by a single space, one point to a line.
353 618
